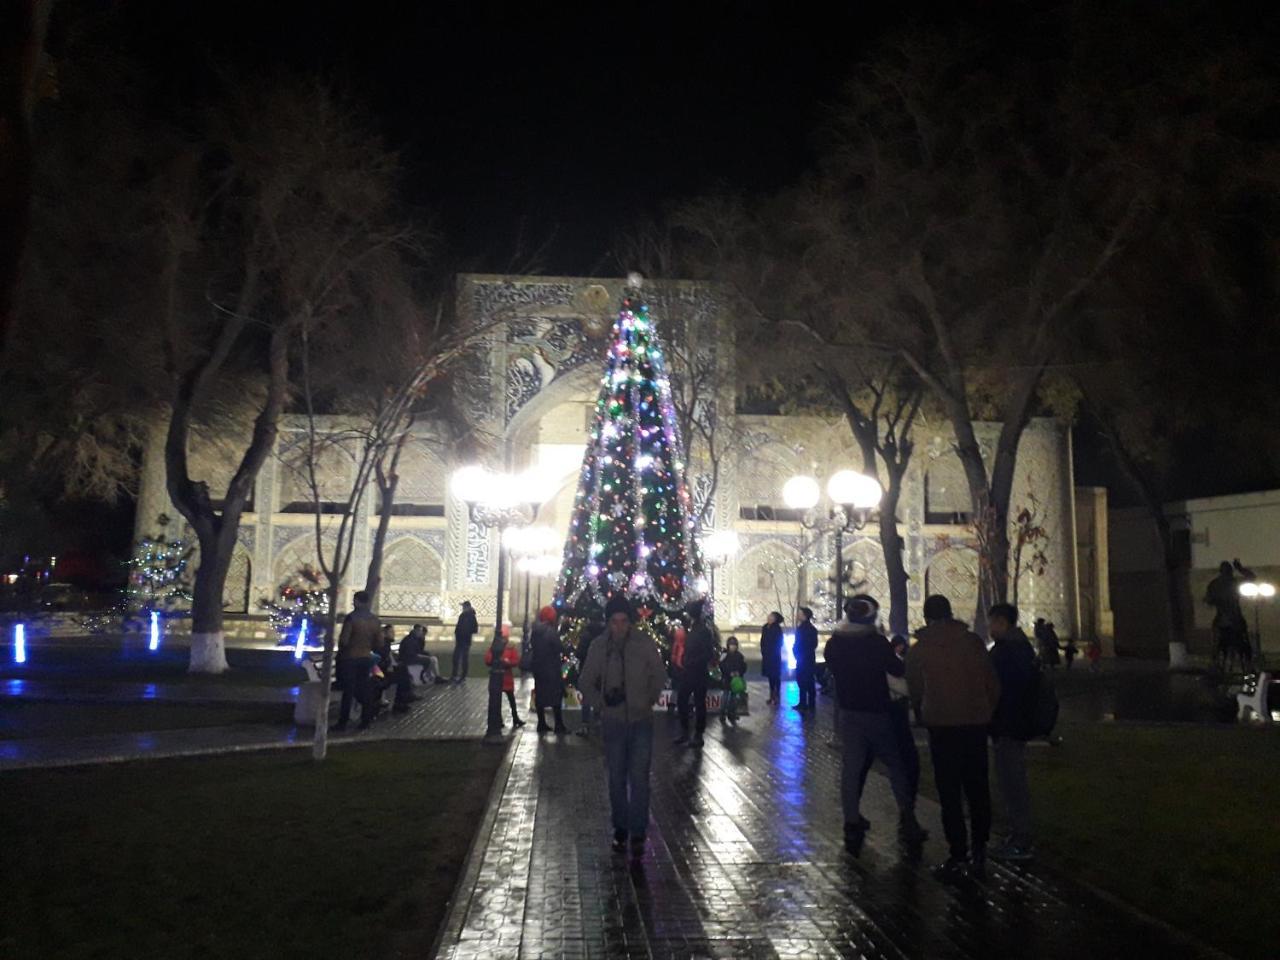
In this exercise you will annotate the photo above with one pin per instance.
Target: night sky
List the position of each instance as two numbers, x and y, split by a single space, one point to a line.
564 122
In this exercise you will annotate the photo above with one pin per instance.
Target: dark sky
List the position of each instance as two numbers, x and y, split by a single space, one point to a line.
554 118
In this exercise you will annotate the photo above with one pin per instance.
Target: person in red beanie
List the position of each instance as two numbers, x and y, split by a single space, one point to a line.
548 681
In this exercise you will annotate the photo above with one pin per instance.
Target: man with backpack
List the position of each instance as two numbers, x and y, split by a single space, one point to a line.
1014 660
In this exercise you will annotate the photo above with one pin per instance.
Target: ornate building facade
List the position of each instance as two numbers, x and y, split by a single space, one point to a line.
529 391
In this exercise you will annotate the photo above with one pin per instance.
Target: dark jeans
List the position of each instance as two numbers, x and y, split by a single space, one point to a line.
511 700
356 683
628 754
808 687
960 770
692 695
871 736
555 712
1010 757
495 704
900 720
775 687
461 659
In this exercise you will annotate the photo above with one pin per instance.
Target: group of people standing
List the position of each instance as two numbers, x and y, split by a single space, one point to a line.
964 696
804 649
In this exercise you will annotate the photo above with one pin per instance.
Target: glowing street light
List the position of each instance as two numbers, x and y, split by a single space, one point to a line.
853 497
718 547
1257 591
502 500
154 644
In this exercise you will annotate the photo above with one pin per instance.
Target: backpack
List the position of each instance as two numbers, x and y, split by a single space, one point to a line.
1042 707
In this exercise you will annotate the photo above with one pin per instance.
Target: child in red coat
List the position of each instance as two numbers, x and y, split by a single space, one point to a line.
501 658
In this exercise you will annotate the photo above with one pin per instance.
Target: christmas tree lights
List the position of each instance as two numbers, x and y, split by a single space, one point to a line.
159 574
301 600
632 529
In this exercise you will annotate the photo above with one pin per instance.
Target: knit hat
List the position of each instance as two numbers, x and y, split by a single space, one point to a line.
867 598
618 603
859 610
547 614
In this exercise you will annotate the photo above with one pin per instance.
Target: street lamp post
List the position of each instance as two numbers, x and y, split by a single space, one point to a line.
1257 592
540 566
718 547
527 543
501 500
852 498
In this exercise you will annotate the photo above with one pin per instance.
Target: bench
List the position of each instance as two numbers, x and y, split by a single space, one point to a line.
1251 701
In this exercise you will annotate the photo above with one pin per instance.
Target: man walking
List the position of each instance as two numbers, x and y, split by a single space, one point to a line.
622 679
954 689
691 691
1014 660
466 628
861 659
360 633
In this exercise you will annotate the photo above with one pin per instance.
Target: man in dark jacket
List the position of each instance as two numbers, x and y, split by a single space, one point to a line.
411 648
1014 660
691 685
954 689
462 634
861 660
806 650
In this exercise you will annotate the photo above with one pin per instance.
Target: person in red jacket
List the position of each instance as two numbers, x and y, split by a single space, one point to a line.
501 658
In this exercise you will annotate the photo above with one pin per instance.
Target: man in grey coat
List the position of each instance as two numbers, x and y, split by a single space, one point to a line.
622 679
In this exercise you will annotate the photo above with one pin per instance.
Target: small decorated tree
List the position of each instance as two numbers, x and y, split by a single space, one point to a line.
159 575
303 596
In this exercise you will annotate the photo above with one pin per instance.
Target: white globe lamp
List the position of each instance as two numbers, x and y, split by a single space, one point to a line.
801 493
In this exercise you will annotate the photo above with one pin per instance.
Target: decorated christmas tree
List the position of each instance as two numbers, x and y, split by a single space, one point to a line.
631 531
303 596
159 573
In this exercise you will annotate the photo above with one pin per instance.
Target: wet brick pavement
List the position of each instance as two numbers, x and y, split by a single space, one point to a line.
744 860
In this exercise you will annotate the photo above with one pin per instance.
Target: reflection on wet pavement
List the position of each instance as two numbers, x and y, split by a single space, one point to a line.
744 860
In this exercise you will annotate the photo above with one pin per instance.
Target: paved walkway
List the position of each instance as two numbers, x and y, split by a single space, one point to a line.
744 860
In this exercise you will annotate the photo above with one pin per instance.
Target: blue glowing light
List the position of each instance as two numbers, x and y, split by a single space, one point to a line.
789 648
302 639
155 631
19 643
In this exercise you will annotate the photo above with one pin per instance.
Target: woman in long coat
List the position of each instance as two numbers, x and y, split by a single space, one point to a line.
548 682
771 655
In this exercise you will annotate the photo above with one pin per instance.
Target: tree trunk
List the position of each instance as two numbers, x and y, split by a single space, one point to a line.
1155 507
1172 586
387 484
216 531
320 743
208 643
891 545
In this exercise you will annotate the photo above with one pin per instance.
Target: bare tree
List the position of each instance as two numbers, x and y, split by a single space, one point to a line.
372 444
971 236
294 214
802 340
